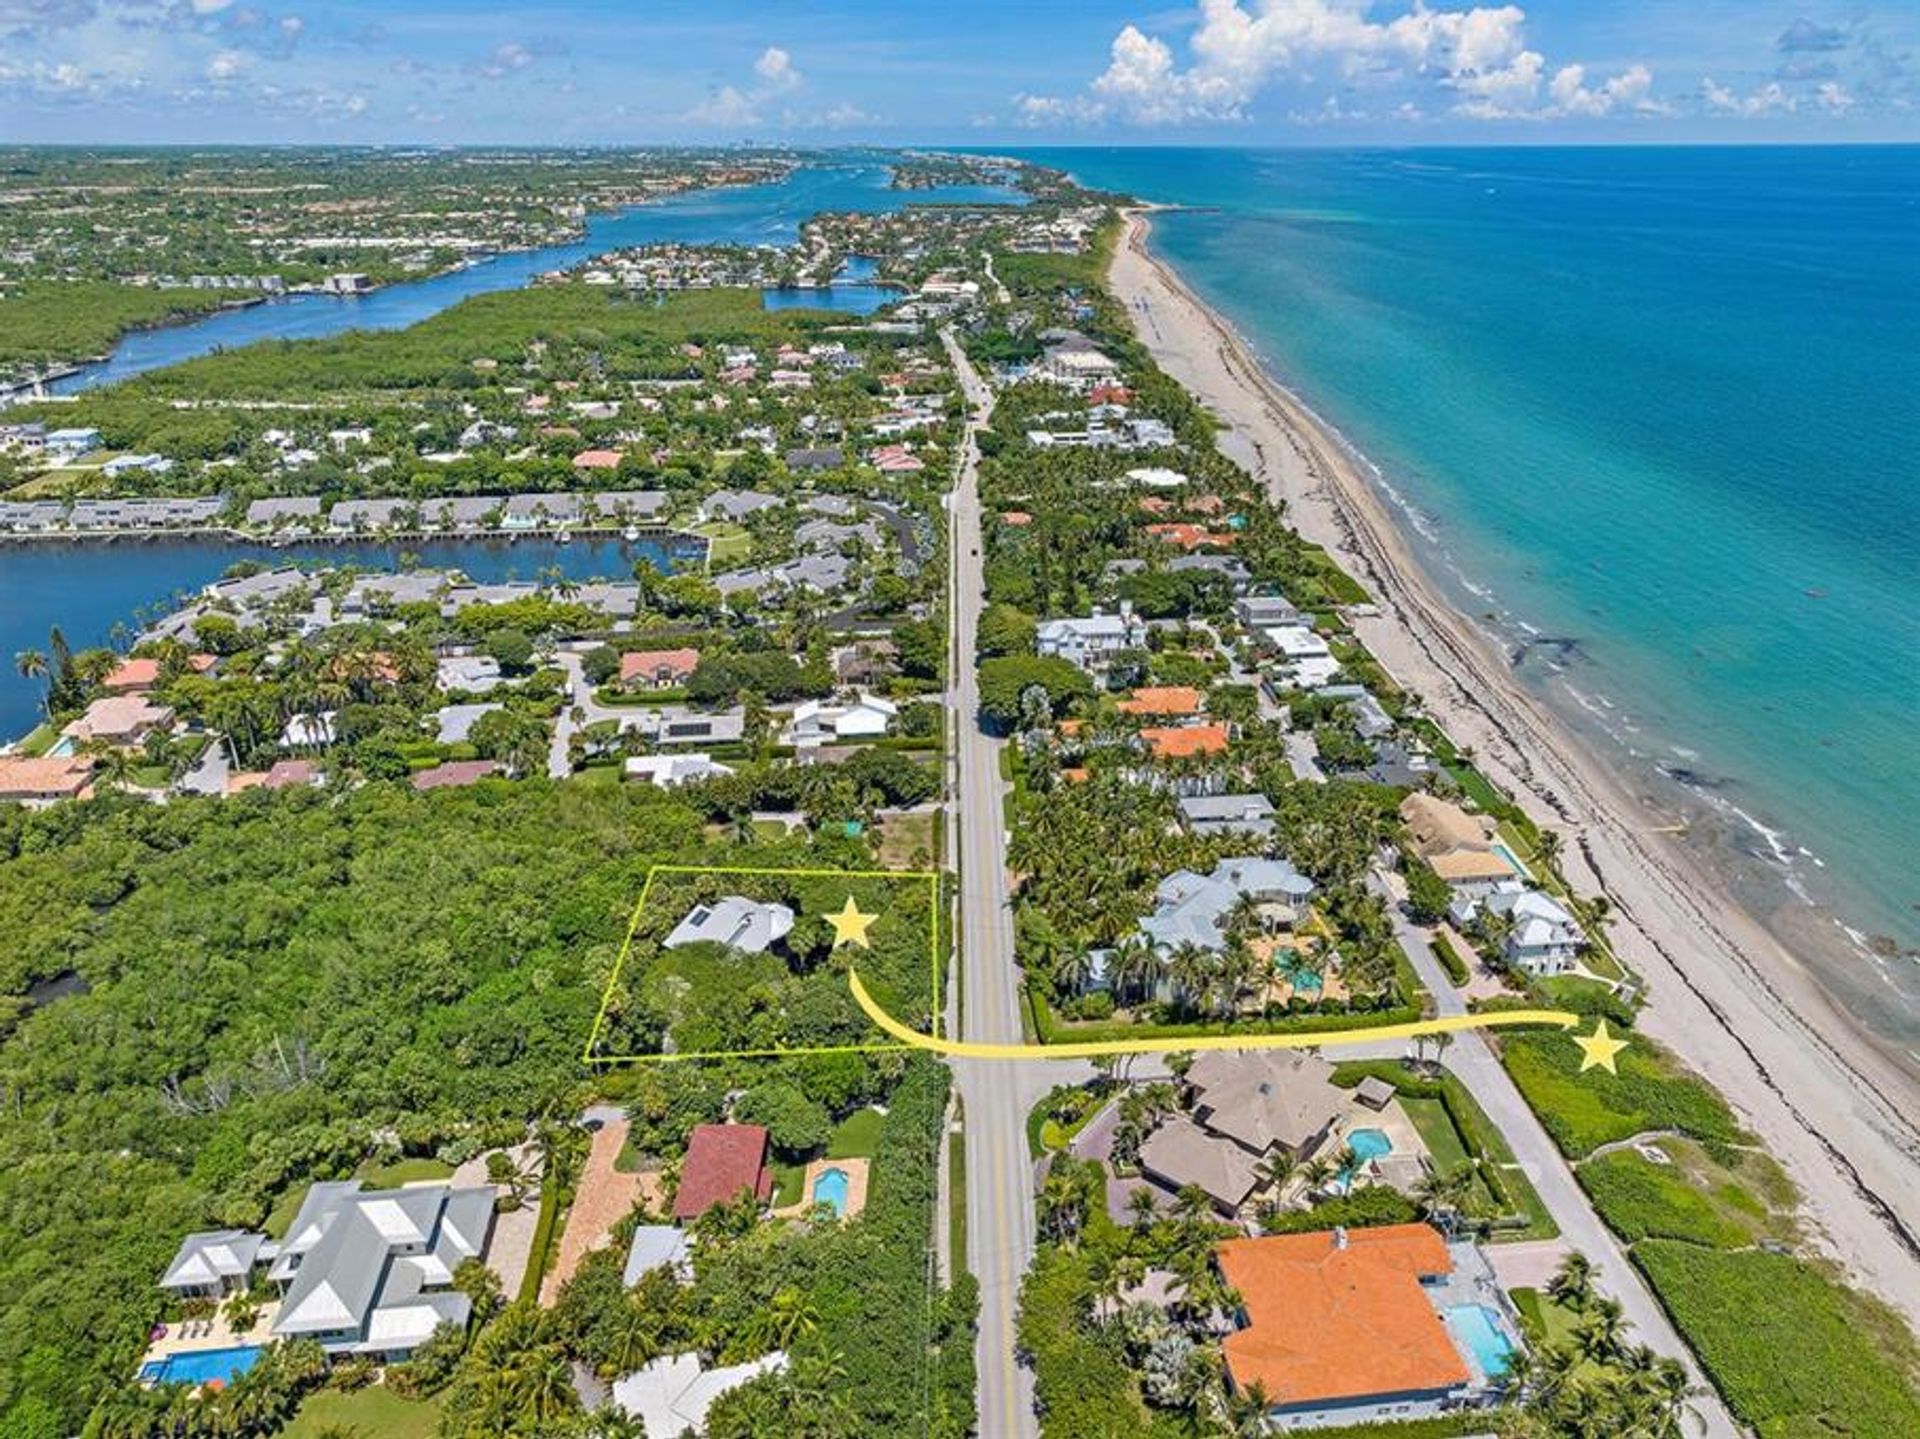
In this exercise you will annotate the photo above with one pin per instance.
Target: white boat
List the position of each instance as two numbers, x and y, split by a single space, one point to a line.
630 533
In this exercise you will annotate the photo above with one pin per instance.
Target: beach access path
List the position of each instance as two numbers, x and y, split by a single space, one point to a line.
1842 1116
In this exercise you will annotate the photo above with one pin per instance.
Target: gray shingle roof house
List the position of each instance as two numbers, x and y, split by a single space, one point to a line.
734 921
361 1271
1248 814
736 504
371 1271
826 457
1194 908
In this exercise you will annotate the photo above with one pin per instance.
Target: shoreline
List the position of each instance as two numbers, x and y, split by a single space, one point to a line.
1828 1099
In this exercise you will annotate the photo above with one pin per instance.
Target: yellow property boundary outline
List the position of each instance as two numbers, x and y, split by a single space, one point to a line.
1306 1039
929 877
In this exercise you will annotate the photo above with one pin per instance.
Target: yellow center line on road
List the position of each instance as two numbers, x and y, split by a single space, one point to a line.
1089 1049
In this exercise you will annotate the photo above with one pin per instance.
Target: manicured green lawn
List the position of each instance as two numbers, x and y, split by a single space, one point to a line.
401 1171
856 1135
373 1413
787 1179
729 542
38 740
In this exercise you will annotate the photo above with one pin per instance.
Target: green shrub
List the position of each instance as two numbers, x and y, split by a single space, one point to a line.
1641 1200
1795 1354
1584 1111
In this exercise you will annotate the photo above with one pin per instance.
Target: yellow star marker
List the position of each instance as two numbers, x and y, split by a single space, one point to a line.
850 925
1599 1048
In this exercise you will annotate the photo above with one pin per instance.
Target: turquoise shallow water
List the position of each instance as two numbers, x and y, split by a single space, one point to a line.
1660 402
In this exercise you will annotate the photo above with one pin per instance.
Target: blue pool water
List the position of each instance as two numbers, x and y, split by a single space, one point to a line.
1512 859
1475 1326
830 1188
224 1365
1369 1144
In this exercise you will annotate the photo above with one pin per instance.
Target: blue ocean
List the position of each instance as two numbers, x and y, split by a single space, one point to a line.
1663 403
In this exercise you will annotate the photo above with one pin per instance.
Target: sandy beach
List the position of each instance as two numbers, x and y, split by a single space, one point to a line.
1842 1114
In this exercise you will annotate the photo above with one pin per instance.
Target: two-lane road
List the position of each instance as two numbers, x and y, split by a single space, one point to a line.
997 1096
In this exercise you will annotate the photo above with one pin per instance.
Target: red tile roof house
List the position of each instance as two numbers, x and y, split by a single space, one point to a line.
657 669
597 460
454 773
35 782
723 1161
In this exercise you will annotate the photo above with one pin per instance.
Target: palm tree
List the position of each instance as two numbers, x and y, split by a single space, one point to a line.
32 665
1141 1209
1277 1168
789 1315
112 765
1598 1332
1572 1284
1441 1196
1135 966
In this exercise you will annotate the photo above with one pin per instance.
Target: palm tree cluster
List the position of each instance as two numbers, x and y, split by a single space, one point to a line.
1593 1384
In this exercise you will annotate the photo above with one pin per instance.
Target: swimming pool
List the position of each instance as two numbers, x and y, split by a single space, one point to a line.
1478 1328
830 1188
203 1366
1500 848
1369 1144
63 748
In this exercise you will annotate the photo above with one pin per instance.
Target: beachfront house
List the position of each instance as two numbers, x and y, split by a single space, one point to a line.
1367 1326
1462 848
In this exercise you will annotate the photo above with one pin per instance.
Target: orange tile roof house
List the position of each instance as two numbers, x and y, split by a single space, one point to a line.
42 781
1169 701
658 669
118 720
1349 1326
1180 742
143 674
597 460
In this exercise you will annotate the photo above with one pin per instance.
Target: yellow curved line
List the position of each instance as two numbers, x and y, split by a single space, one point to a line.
1088 1049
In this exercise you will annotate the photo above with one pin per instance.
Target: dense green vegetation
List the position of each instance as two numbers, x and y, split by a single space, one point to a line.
633 338
1795 1353
274 980
44 322
1584 1111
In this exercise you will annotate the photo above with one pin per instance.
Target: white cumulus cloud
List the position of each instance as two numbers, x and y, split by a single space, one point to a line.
1239 47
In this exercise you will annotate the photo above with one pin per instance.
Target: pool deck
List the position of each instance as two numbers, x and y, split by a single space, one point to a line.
218 1334
856 1172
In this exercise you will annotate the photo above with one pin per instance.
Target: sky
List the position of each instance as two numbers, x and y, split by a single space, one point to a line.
985 72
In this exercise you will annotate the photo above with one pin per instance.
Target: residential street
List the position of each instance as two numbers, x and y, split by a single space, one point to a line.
997 1096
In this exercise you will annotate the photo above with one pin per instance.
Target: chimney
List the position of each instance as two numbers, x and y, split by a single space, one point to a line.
1339 1236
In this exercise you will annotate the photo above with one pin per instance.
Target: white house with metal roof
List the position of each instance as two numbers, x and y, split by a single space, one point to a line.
734 921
